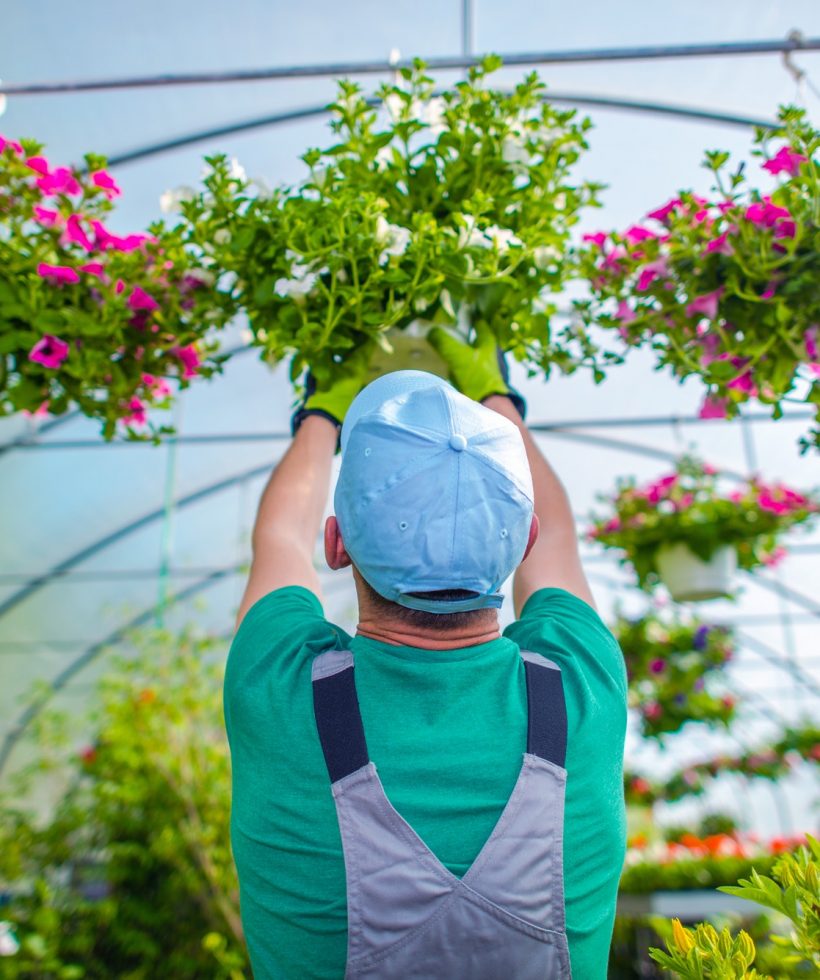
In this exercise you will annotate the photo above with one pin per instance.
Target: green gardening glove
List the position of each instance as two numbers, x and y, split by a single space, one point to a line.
477 369
331 397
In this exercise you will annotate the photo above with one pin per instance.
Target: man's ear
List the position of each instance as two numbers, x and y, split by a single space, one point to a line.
335 553
534 526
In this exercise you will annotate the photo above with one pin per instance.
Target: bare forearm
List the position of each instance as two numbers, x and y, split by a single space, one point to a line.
295 497
554 559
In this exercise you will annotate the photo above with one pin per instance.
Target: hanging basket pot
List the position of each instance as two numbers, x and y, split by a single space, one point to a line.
410 351
690 579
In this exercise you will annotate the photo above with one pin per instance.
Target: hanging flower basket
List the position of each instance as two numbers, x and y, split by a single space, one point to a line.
110 324
690 579
451 209
683 529
671 665
724 287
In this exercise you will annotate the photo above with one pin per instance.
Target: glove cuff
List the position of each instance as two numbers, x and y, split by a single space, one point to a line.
515 397
302 413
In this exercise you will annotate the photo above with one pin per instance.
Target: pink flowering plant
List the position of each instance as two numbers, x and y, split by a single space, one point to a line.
452 209
725 287
689 506
671 666
107 323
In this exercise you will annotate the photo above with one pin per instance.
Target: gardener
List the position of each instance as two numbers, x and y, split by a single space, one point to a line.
479 866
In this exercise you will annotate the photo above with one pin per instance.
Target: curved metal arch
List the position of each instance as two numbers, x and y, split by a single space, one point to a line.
295 115
61 680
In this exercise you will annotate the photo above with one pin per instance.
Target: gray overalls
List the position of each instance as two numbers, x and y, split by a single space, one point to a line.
408 916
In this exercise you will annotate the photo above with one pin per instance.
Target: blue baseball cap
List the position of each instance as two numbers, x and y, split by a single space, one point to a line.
434 493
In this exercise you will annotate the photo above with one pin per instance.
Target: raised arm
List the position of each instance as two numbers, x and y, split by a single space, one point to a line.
554 560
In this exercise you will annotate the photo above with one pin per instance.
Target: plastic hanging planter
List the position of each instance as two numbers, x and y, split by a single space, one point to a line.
690 579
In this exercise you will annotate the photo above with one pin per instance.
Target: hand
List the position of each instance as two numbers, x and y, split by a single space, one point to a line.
331 396
479 369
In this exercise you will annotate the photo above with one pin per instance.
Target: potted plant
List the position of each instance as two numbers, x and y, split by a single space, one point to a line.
670 664
451 209
111 324
685 531
724 287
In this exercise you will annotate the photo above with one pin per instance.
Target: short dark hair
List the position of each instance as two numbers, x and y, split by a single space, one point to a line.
421 618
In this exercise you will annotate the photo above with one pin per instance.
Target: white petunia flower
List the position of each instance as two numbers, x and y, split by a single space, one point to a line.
9 944
545 256
470 236
236 171
394 104
542 302
432 114
394 239
515 153
560 201
170 202
297 288
222 236
502 238
384 157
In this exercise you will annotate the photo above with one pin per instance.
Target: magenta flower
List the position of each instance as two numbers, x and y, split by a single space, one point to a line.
106 239
786 159
159 387
650 272
625 313
766 501
710 342
769 291
721 245
190 360
713 408
745 383
810 340
39 165
74 233
597 239
785 228
49 351
652 711
657 666
766 214
662 214
6 142
45 216
660 489
94 269
136 414
59 181
707 305
60 274
106 183
637 233
140 300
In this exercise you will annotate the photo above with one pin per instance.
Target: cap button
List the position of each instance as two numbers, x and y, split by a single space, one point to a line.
458 442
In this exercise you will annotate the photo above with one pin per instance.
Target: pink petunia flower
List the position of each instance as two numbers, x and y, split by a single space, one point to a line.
720 245
766 501
39 165
140 300
810 340
74 233
45 216
6 142
137 416
637 233
713 408
106 183
650 272
774 557
662 214
744 383
58 274
58 181
597 239
159 386
707 305
94 269
766 214
190 360
49 351
625 313
769 291
786 159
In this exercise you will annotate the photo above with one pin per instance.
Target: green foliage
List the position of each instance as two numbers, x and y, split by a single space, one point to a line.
727 289
669 665
454 209
132 876
126 315
687 506
793 891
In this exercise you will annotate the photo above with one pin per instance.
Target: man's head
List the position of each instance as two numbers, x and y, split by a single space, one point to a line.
434 495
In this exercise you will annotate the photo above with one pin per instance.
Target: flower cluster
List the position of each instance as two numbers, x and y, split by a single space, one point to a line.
688 506
452 208
670 664
92 319
725 287
771 762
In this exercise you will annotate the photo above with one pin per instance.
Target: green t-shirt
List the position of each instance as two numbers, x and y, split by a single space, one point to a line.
446 730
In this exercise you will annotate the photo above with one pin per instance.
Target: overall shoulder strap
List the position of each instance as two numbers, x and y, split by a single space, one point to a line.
546 709
338 719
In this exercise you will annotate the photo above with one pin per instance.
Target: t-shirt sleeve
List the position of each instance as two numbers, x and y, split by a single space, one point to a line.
568 631
272 653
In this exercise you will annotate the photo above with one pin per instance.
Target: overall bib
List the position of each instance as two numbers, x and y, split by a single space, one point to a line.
408 916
